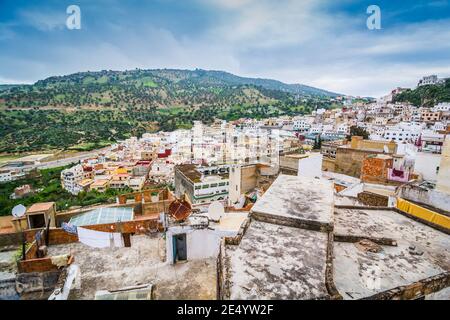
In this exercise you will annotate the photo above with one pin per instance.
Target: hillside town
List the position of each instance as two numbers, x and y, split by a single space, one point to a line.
217 211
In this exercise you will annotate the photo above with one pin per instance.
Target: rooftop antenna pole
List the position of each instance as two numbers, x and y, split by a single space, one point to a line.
23 242
47 235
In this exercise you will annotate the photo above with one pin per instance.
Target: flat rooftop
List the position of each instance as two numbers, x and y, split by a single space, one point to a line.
277 262
296 197
230 223
190 171
421 252
41 206
142 263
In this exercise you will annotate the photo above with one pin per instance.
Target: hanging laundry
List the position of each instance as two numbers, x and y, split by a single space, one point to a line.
118 240
92 238
99 239
70 228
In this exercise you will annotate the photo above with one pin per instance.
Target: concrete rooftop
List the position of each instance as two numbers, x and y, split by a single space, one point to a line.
277 262
421 252
112 269
300 198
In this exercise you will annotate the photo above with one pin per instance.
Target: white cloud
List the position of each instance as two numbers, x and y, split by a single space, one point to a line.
289 40
43 19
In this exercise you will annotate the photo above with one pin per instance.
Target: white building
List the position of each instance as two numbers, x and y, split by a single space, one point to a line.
5 176
403 132
430 80
136 183
316 129
211 188
71 177
301 125
443 106
343 128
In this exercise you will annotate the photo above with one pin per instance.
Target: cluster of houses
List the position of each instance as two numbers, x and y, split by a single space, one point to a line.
152 158
257 212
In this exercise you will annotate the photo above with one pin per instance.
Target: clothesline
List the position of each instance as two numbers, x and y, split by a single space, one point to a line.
99 239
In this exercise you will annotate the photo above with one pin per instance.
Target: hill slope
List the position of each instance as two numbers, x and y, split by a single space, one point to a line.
90 109
426 96
158 88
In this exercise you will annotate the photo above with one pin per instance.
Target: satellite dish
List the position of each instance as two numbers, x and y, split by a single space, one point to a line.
215 211
19 210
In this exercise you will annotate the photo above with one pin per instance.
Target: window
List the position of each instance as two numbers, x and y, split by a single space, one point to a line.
205 186
213 185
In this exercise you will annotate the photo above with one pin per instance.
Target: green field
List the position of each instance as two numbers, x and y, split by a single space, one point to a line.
88 146
4 159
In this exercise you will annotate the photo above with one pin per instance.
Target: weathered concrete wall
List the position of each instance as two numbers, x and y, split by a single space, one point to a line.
234 190
349 161
415 290
426 165
8 289
431 198
360 143
328 164
220 272
237 239
249 178
36 265
289 162
36 281
373 199
288 171
329 272
156 207
293 222
10 239
200 243
183 186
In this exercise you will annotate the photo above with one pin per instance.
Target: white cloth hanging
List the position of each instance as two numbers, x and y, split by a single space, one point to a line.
99 239
118 240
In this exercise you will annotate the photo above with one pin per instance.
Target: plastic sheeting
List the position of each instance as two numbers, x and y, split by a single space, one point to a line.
423 213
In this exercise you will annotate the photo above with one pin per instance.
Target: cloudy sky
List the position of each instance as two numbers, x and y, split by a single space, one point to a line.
323 43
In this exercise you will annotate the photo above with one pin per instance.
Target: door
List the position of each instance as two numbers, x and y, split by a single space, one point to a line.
37 221
179 242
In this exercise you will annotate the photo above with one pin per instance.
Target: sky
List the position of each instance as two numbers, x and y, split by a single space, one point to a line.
321 43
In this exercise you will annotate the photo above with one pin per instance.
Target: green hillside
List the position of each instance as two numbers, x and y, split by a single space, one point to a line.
90 109
152 88
426 96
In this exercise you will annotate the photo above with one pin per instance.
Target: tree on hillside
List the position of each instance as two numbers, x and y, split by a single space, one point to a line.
358 131
317 143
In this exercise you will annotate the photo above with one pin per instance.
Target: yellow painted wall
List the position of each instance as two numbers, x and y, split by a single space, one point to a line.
423 213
